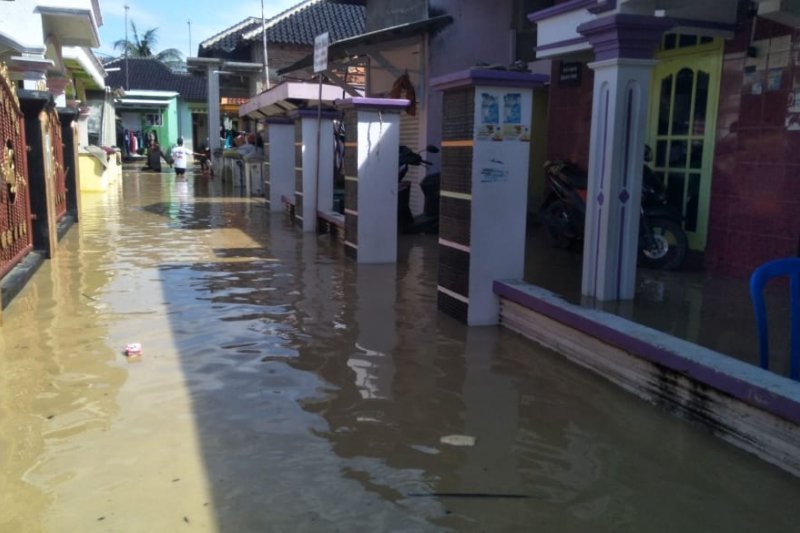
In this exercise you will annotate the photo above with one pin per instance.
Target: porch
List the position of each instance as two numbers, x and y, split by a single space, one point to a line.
686 342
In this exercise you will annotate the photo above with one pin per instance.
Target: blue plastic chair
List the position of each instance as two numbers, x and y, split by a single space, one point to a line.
777 268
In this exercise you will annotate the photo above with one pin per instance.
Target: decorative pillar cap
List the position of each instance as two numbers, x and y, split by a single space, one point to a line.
279 119
310 112
383 104
29 68
625 35
494 78
57 84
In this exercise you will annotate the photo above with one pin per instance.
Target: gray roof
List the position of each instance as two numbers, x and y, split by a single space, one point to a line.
147 74
297 25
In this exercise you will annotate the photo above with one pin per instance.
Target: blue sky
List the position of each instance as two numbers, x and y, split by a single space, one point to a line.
207 17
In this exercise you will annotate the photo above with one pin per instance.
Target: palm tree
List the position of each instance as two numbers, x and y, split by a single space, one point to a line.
143 47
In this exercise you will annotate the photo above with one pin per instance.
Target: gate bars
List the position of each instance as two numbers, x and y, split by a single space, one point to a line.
15 211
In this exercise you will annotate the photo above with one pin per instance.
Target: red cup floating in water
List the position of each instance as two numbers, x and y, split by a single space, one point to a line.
133 349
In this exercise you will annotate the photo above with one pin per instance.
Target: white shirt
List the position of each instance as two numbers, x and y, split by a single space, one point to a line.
180 156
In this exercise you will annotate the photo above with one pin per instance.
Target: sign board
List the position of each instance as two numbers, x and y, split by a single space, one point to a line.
569 73
321 43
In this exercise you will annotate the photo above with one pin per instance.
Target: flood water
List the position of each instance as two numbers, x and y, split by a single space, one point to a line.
283 388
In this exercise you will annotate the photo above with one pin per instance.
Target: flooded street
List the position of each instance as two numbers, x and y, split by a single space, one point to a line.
283 388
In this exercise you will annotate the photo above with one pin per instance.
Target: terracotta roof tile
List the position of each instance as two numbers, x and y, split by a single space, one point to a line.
153 75
297 25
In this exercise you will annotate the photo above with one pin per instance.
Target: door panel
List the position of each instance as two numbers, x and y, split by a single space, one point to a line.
684 96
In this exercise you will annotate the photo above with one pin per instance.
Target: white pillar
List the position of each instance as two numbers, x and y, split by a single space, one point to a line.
280 176
378 145
484 196
314 175
616 156
623 46
213 113
374 217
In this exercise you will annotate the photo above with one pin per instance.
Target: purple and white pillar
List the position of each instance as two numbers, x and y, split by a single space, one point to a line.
623 46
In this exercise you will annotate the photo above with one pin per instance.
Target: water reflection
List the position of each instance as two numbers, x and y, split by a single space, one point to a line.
285 388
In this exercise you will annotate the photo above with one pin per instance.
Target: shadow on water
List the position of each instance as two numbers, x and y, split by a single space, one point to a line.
333 397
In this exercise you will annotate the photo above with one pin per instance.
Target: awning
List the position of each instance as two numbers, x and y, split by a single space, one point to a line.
354 46
288 96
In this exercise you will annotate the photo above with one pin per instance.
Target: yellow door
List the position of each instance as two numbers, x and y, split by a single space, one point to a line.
682 126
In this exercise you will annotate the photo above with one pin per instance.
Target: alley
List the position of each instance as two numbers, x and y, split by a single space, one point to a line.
284 388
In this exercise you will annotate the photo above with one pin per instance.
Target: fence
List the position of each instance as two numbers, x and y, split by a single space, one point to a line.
15 220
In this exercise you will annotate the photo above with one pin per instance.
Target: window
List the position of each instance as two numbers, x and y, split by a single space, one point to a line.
153 119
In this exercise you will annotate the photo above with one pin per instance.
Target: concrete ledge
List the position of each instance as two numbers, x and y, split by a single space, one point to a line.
751 408
13 282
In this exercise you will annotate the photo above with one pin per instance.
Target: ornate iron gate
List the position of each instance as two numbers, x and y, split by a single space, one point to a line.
54 161
15 220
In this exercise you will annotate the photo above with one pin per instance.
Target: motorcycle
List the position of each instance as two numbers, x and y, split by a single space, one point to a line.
662 241
428 221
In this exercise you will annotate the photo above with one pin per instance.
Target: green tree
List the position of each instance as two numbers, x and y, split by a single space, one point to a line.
143 47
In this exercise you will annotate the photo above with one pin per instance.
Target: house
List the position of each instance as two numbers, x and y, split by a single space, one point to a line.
156 99
233 60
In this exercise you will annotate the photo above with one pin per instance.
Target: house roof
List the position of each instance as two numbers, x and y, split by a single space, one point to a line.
152 75
297 25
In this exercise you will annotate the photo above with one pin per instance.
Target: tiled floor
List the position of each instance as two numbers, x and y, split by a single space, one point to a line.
689 304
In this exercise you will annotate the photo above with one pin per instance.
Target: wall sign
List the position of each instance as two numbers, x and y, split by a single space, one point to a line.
569 73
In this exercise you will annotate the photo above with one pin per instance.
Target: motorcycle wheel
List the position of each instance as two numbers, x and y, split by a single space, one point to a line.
561 220
667 247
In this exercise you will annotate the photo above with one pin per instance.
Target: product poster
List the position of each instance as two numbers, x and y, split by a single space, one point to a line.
506 124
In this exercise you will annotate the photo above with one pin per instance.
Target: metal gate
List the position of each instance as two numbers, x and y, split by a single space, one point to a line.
15 207
54 160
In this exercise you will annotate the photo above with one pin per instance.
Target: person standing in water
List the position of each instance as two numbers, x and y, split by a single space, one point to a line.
180 158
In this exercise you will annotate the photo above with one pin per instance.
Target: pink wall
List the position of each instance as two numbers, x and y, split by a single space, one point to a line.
755 197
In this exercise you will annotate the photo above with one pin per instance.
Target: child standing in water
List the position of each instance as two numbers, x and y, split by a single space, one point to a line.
180 158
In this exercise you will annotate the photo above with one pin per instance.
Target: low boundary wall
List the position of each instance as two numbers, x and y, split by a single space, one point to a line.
751 408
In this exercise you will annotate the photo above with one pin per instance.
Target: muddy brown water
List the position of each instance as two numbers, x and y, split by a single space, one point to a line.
283 388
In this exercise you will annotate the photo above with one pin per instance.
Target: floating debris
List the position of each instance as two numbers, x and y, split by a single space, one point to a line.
458 440
133 349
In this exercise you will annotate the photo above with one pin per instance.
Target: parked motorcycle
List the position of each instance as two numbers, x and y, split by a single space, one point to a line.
428 221
662 241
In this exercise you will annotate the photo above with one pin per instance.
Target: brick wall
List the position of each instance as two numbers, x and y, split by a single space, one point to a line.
755 196
570 118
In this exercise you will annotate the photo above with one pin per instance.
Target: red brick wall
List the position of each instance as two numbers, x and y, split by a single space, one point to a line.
755 195
570 118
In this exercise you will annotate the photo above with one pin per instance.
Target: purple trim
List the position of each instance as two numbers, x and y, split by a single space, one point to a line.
599 218
748 392
623 35
620 250
602 6
625 168
383 104
593 6
279 120
560 44
494 78
705 24
312 113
